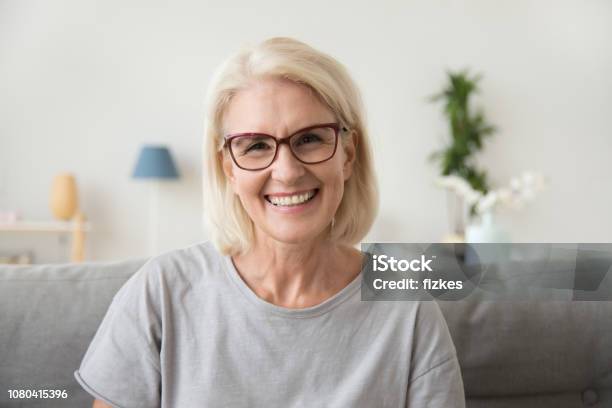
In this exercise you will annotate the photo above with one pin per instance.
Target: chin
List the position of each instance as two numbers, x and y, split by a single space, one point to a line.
291 236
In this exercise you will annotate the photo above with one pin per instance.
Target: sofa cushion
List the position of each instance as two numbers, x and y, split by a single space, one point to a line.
519 348
48 316
553 353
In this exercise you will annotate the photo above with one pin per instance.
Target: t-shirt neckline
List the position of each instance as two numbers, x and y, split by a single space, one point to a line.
312 311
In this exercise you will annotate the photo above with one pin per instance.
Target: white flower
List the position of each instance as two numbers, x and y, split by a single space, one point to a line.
487 203
522 189
459 186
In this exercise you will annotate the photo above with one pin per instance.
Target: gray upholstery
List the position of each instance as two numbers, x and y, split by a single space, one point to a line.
533 354
48 316
512 354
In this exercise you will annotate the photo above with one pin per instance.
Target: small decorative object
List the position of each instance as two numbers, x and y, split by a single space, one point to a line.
9 217
154 164
521 190
23 258
64 199
468 131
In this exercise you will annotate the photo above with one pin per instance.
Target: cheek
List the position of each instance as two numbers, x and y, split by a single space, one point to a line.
334 181
248 187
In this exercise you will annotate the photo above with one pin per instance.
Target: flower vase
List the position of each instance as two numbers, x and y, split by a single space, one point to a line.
457 212
488 231
64 198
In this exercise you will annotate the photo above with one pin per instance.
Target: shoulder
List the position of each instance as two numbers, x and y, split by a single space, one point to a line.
415 325
417 314
421 322
424 318
198 259
432 344
421 329
171 272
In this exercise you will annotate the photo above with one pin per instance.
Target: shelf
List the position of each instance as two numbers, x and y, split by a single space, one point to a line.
44 226
77 227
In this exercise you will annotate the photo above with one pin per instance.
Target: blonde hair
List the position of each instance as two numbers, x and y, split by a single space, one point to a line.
230 226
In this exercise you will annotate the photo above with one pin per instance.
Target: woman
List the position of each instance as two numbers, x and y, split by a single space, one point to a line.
270 315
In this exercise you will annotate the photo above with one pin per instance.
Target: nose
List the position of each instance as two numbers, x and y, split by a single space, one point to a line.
286 168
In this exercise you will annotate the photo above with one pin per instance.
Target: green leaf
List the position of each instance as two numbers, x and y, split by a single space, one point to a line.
468 130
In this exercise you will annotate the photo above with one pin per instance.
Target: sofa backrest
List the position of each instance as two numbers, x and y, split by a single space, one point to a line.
512 354
48 316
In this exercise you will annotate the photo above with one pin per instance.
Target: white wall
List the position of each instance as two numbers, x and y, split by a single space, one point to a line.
84 83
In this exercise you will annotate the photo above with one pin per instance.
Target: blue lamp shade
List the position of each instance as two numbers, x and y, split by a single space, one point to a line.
155 162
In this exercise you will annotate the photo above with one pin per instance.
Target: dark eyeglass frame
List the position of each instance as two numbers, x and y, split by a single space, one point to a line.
335 126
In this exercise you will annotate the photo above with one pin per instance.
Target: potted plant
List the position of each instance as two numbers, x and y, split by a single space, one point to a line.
468 130
472 196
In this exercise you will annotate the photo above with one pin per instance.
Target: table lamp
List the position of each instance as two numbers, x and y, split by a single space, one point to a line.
154 164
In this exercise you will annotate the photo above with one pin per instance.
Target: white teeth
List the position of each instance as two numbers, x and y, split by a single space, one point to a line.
291 200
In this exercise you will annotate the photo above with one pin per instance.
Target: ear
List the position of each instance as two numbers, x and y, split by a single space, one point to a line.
350 153
228 168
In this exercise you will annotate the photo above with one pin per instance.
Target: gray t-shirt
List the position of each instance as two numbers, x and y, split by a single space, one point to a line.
186 331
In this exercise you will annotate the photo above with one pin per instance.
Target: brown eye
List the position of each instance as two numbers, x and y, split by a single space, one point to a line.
308 138
257 146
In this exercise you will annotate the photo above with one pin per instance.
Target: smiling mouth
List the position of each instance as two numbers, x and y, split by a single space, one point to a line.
293 200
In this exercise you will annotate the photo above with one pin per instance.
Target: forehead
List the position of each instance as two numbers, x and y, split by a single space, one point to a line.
274 106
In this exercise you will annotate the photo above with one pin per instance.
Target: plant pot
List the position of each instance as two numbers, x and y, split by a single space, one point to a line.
487 231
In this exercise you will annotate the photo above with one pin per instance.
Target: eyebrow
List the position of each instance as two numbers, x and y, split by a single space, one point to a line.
289 135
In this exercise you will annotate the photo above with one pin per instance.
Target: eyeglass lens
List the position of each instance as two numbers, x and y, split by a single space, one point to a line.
258 151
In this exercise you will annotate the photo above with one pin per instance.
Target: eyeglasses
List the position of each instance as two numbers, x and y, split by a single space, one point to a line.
257 151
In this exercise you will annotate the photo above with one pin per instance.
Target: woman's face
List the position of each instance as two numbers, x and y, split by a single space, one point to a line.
280 108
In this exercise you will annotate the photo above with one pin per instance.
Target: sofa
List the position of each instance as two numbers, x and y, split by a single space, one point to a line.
524 354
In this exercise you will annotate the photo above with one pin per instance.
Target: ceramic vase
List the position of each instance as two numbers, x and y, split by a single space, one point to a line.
64 199
488 231
457 211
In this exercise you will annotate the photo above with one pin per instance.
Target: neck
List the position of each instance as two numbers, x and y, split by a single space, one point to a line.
298 275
